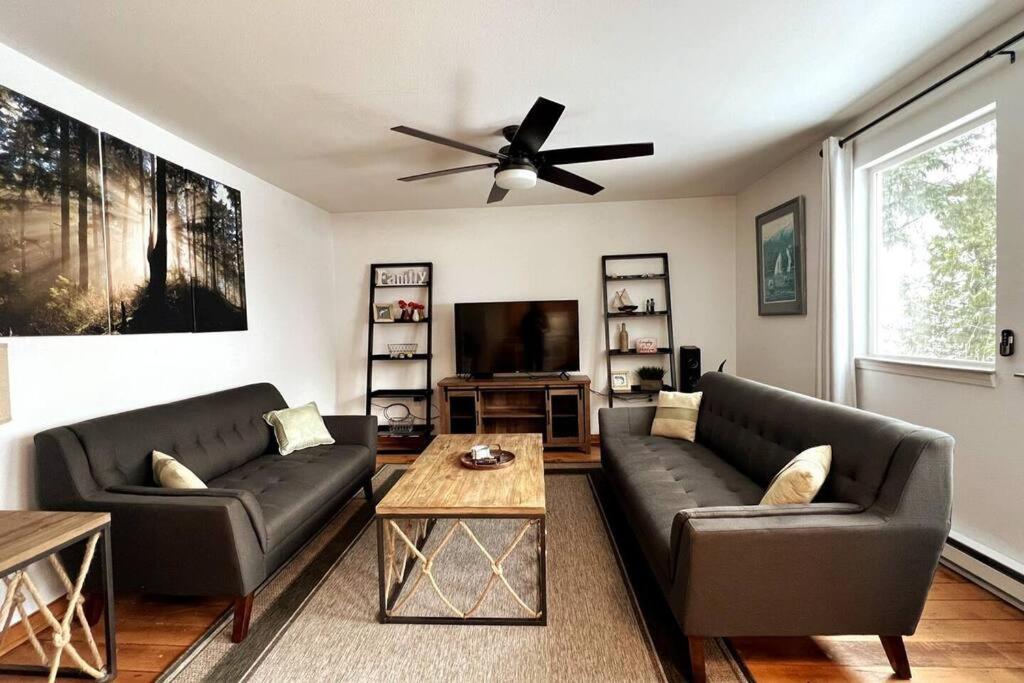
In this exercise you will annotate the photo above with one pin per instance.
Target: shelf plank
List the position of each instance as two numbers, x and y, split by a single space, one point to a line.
642 392
662 350
400 322
634 314
415 356
419 284
506 414
399 393
417 430
624 278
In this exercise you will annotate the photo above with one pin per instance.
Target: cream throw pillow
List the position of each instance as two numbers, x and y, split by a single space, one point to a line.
298 428
171 474
676 416
801 479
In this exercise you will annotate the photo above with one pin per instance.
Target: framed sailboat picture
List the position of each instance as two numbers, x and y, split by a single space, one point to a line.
781 280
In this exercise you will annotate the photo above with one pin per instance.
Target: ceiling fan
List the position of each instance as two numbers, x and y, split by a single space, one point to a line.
521 162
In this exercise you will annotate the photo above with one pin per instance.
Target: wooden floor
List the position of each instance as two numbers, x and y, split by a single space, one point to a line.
966 634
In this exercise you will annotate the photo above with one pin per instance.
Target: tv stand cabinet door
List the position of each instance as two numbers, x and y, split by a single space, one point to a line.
462 411
565 417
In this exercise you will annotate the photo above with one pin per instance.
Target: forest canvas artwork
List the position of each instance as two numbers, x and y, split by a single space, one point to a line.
153 247
175 246
53 276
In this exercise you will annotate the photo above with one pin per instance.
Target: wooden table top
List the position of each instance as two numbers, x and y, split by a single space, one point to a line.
436 484
25 534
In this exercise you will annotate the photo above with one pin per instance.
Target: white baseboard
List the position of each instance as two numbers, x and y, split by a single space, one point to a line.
983 574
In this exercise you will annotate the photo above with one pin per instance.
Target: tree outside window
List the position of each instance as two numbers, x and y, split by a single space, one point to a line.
934 270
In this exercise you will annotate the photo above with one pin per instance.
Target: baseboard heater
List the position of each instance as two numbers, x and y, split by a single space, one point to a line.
985 570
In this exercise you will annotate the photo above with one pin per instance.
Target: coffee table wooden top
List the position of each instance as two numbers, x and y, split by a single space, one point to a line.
436 484
25 534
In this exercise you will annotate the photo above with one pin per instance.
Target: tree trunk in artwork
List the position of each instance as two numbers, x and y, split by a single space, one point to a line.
158 254
179 258
22 205
211 266
144 230
98 242
65 195
239 259
83 213
125 227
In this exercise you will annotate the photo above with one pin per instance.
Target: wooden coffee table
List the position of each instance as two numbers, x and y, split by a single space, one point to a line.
437 487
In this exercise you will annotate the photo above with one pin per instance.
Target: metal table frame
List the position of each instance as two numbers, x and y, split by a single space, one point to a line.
389 599
110 646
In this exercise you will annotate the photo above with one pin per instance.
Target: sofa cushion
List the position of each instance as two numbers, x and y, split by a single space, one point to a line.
209 434
292 489
657 477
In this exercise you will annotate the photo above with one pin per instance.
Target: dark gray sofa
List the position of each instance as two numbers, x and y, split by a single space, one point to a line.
858 560
260 507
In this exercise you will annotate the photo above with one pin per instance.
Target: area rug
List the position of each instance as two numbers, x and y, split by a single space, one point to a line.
316 619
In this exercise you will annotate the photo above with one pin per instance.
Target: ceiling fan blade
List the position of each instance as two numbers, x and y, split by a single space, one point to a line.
560 176
447 171
430 137
578 155
537 125
497 194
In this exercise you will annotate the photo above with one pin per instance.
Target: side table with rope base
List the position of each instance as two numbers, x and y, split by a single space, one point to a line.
27 537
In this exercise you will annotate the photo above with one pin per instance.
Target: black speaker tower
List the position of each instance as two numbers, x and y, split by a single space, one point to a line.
689 364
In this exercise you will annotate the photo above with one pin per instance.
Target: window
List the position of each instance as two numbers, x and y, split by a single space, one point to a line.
932 249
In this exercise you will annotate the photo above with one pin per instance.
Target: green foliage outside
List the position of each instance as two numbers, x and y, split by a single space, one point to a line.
941 207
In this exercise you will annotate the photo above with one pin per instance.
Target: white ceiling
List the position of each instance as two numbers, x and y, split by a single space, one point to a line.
302 94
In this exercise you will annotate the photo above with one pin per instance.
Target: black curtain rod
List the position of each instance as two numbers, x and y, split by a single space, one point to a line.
1000 49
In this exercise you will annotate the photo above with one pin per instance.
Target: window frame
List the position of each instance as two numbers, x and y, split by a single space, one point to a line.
872 173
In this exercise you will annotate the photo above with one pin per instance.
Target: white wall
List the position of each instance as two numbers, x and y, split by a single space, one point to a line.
988 469
777 350
538 252
288 267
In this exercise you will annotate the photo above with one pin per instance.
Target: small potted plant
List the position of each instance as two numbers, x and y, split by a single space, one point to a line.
650 377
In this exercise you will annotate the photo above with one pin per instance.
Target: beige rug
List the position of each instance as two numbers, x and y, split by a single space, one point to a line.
316 620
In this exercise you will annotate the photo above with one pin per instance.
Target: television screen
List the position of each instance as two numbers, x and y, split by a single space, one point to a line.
517 336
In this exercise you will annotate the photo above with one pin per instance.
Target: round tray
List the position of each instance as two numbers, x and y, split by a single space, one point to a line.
505 458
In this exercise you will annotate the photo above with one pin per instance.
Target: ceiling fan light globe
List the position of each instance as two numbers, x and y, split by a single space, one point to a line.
515 178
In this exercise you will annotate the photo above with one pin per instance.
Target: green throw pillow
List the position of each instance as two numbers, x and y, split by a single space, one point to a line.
298 428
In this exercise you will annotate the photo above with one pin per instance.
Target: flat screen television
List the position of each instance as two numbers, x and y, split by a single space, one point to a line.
517 336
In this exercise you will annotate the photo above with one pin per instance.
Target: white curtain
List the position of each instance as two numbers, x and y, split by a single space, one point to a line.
834 375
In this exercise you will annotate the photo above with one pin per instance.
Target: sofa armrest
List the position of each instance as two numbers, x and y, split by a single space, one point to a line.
761 511
191 497
181 544
358 430
806 570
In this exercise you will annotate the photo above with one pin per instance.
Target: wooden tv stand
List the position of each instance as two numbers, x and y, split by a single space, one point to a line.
559 409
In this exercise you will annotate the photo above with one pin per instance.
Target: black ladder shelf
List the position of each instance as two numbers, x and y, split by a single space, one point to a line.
614 317
421 433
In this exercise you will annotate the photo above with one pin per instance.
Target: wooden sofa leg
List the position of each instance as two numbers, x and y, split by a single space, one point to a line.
368 489
92 606
697 671
243 610
896 651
